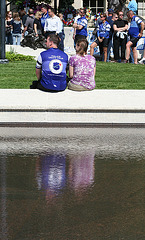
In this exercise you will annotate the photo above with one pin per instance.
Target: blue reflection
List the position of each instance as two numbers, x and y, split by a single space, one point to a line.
51 173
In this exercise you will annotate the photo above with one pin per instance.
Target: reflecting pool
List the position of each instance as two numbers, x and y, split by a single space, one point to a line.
72 184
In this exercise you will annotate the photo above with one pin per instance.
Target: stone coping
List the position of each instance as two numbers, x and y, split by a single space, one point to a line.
108 100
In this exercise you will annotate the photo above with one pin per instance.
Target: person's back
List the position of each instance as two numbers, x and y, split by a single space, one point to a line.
51 67
54 63
82 68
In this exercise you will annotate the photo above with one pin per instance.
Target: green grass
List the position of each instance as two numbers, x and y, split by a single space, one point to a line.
108 75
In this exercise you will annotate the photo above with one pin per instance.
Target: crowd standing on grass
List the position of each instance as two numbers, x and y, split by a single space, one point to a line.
113 29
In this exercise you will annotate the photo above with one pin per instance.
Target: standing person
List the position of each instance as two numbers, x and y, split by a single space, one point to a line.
8 20
51 67
102 39
61 33
45 15
29 25
75 21
132 6
120 27
110 44
53 24
81 26
82 68
37 24
135 32
16 24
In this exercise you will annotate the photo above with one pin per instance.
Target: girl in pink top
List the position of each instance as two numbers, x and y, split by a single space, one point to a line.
82 68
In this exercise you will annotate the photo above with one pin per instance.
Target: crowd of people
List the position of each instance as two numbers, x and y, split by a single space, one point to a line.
111 31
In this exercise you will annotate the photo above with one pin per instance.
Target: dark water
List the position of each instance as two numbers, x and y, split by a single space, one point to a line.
65 184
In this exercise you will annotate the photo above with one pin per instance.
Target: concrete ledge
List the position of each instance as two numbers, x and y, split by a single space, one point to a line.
25 107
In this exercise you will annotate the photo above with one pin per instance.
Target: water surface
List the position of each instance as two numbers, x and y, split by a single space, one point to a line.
65 184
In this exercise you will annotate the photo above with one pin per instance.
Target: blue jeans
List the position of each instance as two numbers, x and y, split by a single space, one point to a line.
17 38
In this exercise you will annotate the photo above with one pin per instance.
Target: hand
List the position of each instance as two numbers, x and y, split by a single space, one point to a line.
75 25
100 39
140 35
73 36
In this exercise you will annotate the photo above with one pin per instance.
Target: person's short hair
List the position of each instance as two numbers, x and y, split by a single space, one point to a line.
54 38
52 10
83 46
44 6
30 11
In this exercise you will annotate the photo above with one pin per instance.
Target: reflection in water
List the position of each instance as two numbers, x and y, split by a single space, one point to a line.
51 174
72 184
81 170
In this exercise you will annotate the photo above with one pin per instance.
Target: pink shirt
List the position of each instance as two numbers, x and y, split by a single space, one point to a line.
83 70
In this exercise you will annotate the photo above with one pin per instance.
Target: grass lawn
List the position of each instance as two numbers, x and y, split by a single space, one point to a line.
108 75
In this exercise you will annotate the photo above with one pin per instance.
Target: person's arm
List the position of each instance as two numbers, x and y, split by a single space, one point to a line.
35 29
38 73
71 71
39 67
141 31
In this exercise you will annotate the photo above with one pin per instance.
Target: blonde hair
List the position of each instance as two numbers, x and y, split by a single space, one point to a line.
16 16
83 46
37 14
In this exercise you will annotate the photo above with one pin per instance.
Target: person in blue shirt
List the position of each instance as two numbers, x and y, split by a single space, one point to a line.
135 32
132 6
102 39
51 67
45 15
81 26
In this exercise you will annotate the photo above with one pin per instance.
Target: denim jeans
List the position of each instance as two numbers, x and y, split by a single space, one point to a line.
17 38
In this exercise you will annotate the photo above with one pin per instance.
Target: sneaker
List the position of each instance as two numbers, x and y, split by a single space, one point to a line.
126 61
142 61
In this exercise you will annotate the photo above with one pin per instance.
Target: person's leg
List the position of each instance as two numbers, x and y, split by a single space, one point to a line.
123 48
18 39
134 54
128 46
105 53
108 49
93 45
116 44
75 87
14 39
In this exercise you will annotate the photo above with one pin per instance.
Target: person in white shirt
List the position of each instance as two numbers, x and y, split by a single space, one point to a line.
53 24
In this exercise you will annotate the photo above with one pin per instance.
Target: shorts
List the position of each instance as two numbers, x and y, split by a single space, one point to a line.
104 43
134 41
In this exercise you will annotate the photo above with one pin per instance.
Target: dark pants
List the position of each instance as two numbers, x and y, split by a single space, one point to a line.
37 85
119 42
61 44
78 36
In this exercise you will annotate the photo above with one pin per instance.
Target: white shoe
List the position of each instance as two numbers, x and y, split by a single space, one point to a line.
142 61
